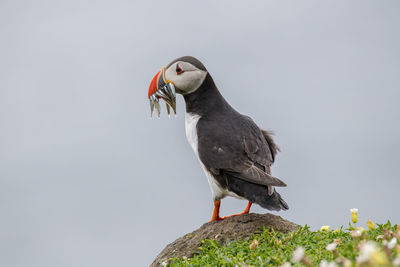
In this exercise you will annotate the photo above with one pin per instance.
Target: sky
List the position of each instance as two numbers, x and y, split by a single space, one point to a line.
87 178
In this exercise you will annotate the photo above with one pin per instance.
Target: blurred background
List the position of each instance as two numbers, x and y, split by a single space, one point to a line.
87 178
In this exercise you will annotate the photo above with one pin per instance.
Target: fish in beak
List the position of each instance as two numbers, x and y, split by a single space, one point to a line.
160 88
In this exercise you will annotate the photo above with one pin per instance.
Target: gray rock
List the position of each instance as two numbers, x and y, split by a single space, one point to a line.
233 228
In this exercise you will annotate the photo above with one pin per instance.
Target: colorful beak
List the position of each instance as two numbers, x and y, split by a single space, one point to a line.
161 88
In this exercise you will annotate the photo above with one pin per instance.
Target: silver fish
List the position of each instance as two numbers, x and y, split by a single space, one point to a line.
168 111
151 108
157 105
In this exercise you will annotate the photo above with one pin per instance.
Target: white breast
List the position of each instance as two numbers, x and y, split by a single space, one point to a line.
191 135
191 130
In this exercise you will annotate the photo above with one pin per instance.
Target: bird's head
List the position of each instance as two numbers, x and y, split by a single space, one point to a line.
183 75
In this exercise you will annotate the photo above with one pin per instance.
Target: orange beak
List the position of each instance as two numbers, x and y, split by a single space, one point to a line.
161 88
154 84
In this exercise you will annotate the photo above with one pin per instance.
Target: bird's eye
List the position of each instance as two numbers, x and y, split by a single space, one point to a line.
179 70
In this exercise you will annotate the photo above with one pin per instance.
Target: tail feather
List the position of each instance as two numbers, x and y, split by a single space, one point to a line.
256 193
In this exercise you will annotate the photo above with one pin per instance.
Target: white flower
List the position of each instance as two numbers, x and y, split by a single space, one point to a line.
356 233
298 254
286 264
331 246
325 263
353 210
396 261
362 229
392 243
365 252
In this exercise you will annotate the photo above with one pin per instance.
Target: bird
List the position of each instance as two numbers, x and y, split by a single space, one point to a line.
235 154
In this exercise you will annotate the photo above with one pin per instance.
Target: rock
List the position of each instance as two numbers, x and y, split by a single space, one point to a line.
233 228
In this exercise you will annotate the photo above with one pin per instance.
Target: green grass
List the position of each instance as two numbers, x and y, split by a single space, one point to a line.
276 249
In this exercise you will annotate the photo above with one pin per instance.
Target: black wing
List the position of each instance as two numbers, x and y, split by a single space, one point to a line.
238 147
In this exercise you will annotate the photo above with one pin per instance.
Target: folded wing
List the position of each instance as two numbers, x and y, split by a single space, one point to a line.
247 154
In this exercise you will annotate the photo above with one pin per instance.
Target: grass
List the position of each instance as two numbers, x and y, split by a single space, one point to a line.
353 246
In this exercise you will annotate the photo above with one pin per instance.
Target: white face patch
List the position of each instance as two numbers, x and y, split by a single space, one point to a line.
189 80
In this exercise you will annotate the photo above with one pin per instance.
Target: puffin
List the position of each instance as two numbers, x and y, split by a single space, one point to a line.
235 154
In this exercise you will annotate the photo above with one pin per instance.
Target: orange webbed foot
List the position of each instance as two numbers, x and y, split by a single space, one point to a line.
215 216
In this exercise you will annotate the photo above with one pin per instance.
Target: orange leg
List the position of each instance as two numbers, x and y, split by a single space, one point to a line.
215 216
247 209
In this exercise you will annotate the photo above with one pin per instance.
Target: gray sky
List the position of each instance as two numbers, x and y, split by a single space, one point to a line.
88 179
